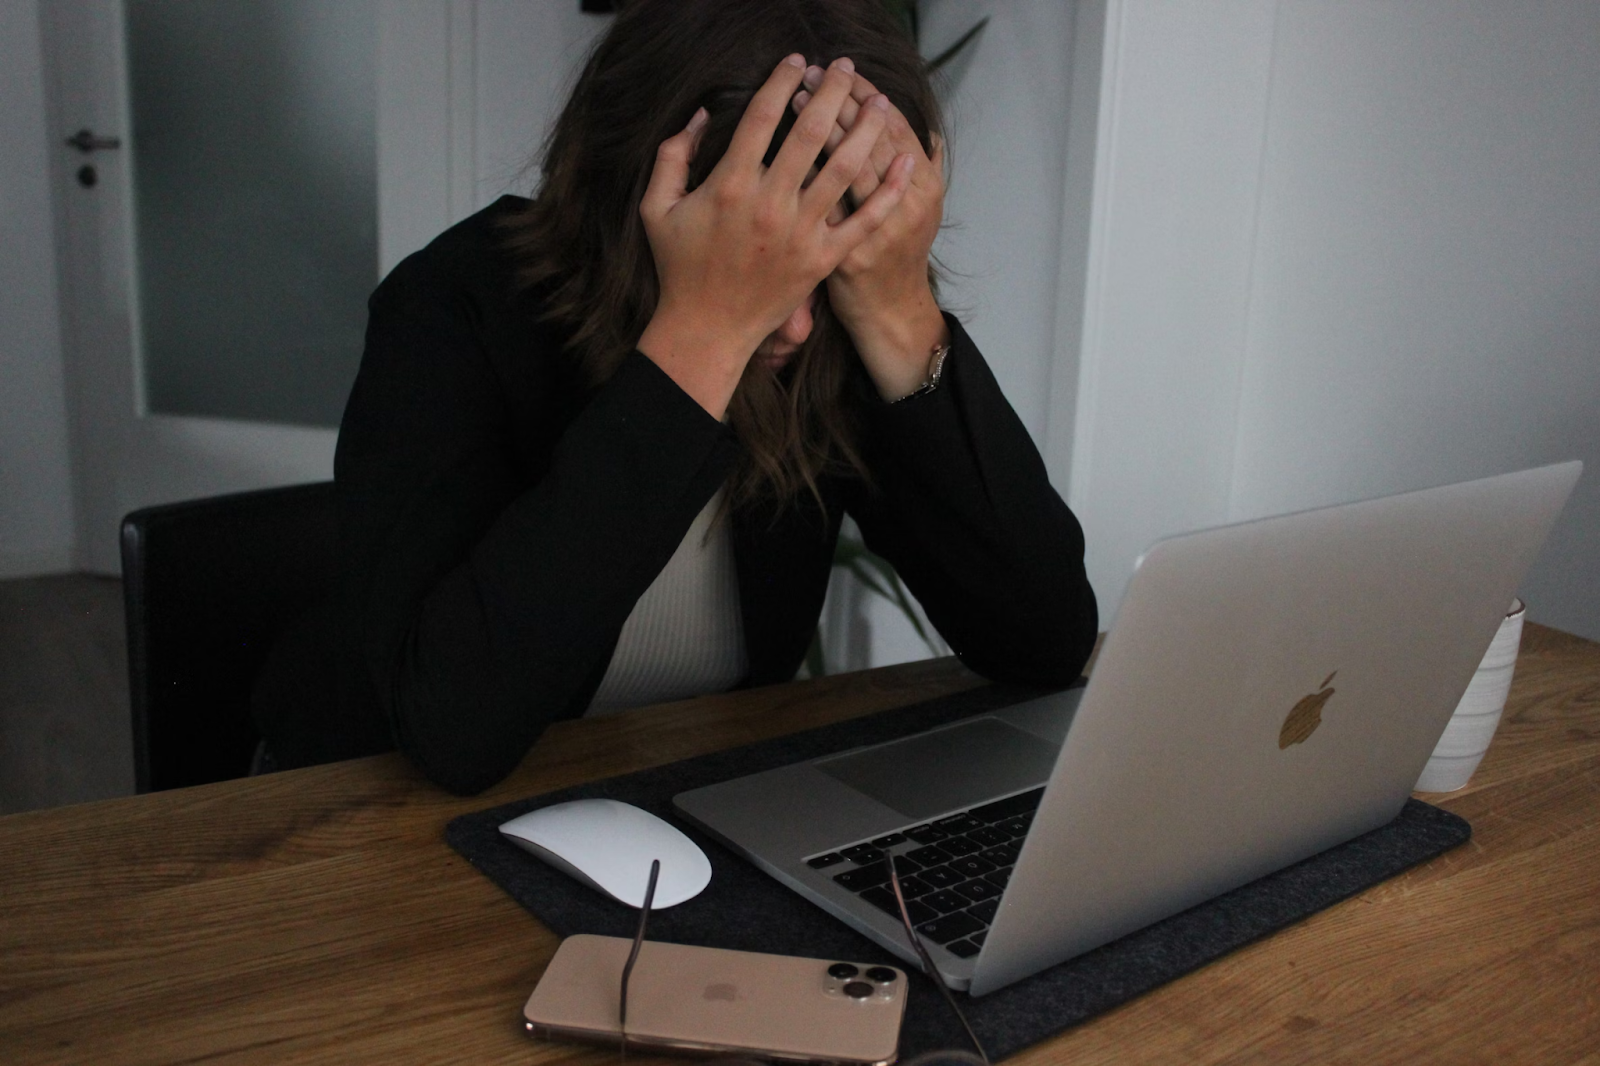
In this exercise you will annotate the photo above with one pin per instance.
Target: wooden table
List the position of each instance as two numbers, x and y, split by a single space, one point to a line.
318 916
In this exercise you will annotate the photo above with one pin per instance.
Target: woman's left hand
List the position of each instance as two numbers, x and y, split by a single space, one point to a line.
880 291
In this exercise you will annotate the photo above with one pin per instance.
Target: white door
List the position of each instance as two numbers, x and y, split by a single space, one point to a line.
149 317
211 321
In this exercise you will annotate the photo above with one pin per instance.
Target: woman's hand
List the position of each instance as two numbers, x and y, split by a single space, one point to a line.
735 257
880 290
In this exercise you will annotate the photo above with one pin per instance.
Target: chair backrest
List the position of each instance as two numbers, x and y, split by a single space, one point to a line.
209 586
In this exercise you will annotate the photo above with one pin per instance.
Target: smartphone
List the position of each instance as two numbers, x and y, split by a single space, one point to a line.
683 998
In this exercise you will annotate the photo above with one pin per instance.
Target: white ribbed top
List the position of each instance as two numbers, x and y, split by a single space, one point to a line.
685 636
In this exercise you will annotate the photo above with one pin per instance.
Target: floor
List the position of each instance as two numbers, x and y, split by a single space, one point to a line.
65 735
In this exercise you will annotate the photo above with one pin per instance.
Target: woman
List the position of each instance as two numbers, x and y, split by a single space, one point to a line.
600 444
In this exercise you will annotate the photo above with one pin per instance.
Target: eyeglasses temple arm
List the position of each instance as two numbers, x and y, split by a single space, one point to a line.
927 963
633 956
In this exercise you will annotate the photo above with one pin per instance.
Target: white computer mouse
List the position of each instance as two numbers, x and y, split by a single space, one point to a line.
608 845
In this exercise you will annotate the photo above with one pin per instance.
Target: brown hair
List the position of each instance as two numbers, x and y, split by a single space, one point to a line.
583 243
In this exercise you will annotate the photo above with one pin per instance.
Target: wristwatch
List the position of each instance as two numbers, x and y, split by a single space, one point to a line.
935 371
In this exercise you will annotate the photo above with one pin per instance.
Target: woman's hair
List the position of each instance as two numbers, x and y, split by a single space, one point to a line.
582 241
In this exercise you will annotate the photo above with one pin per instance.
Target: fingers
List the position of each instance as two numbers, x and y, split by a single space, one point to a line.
900 137
868 177
669 179
849 159
883 153
876 208
847 118
809 136
761 116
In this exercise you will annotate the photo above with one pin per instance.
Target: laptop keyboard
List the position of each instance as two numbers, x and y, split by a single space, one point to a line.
952 870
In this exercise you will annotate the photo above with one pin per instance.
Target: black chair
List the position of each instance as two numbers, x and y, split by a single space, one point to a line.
209 585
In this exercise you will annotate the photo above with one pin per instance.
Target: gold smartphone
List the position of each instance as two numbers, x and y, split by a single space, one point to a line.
683 998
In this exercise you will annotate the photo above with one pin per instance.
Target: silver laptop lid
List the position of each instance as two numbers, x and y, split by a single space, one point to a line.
1172 786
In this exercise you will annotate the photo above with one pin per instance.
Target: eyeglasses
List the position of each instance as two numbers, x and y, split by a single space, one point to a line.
911 933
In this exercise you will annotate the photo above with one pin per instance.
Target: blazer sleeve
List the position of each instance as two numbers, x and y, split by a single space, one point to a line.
483 600
961 505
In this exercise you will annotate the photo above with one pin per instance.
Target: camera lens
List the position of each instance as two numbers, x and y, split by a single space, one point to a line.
881 974
841 970
858 990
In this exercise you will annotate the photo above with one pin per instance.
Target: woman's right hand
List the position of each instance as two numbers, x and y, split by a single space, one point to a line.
735 257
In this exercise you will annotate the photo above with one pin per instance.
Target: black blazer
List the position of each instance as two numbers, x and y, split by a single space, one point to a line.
498 522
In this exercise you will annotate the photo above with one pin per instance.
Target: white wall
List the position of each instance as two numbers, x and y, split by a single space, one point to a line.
1341 249
1167 275
1006 99
1426 300
468 89
528 59
36 528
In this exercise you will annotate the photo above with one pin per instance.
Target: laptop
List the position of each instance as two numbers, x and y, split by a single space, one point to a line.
1270 689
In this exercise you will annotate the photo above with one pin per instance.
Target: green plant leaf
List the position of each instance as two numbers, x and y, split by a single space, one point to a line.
954 50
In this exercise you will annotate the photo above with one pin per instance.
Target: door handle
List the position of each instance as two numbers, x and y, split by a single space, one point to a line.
86 142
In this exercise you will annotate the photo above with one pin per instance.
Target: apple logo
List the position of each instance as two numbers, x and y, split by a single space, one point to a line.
1306 715
723 991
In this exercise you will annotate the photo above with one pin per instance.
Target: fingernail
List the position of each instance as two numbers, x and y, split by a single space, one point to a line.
813 77
796 60
801 99
844 63
697 120
881 102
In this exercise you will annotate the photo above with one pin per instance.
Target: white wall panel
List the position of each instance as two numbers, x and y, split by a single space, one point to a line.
1340 249
1426 304
1181 118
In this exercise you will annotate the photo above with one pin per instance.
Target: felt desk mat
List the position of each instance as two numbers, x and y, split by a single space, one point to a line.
746 910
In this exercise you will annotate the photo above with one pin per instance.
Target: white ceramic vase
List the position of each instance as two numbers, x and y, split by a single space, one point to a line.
1477 716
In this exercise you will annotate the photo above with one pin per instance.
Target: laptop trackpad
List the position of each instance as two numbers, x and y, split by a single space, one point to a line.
959 766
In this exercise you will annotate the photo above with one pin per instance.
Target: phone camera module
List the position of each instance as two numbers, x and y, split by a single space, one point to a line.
861 983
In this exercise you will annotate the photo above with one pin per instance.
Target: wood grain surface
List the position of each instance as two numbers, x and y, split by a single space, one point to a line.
318 916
